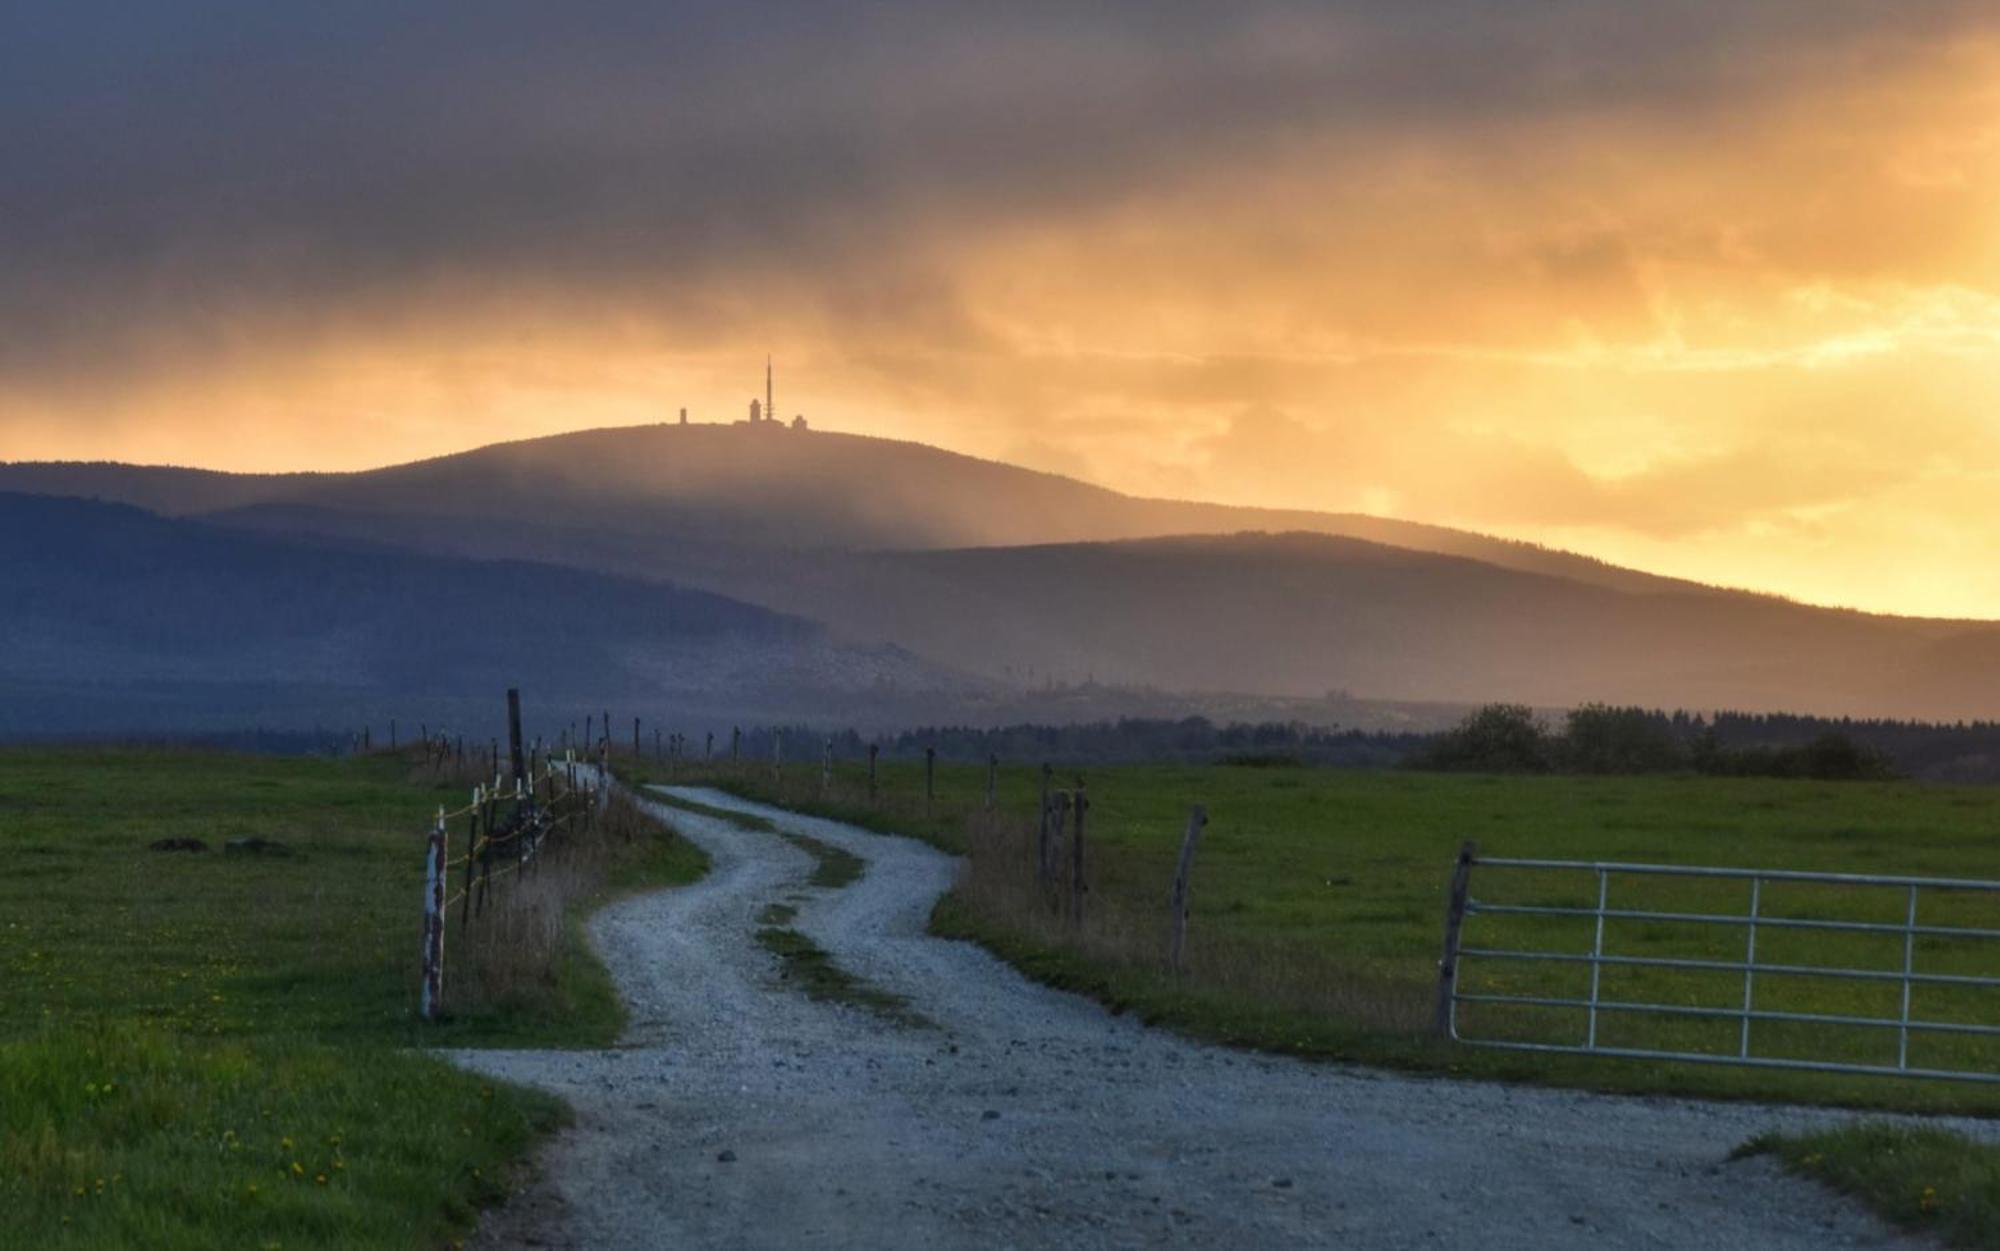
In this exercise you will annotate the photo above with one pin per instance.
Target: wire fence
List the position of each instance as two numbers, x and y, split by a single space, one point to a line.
506 828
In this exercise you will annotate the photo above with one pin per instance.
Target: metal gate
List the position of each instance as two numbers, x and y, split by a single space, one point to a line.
1599 1005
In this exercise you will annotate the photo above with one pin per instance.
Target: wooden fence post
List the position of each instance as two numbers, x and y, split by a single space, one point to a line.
1081 802
1042 832
431 998
778 754
930 780
1454 919
1178 901
826 767
992 778
514 733
735 742
471 847
708 747
874 749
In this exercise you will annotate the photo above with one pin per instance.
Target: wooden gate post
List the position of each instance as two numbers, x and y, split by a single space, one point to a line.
431 997
1178 901
1454 919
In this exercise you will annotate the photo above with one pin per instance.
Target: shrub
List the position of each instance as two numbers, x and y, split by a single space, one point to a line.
1498 738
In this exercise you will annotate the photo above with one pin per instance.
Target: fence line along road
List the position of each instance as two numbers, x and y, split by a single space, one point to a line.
1463 907
503 822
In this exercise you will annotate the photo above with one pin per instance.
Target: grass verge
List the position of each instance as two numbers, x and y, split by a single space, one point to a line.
806 966
1917 1178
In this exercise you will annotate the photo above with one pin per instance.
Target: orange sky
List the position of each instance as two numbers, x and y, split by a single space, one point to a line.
1742 325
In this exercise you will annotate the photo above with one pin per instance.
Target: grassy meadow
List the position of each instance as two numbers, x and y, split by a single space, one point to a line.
1318 905
204 1049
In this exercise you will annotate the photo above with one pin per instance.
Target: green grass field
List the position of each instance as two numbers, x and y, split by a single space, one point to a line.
203 1050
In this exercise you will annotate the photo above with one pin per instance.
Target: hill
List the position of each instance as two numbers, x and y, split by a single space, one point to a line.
671 501
1023 577
118 618
1302 614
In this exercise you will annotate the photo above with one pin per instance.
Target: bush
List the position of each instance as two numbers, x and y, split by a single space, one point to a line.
1498 738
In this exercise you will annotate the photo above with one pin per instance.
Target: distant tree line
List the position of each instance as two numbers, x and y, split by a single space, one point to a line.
1497 738
1597 738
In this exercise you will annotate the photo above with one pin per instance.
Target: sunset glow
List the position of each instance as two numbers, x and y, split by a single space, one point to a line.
1718 298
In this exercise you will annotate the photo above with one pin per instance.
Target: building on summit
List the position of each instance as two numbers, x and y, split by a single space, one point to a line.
764 412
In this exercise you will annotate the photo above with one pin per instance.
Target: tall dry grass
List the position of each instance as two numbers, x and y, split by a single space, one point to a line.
513 948
1126 929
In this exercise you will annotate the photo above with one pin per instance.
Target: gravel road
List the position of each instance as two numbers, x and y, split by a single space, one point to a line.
738 1113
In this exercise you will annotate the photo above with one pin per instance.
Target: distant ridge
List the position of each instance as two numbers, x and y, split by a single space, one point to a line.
1023 577
758 487
118 609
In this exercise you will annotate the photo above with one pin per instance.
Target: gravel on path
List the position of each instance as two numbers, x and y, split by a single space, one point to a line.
738 1113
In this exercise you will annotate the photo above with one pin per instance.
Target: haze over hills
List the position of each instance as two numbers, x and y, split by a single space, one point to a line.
1303 613
1021 577
118 618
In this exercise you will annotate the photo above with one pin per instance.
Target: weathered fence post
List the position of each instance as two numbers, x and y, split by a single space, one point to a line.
514 733
708 747
1454 920
431 999
735 742
930 780
874 749
1081 803
826 767
1178 901
1042 832
778 754
471 848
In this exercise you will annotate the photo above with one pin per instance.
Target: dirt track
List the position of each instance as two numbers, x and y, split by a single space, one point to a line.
741 1114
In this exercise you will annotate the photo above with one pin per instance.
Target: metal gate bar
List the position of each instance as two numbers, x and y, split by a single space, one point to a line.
1464 905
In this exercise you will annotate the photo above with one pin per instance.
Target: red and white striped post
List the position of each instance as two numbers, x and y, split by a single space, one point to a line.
432 996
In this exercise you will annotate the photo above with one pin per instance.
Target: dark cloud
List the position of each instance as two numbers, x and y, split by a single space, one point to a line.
176 169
